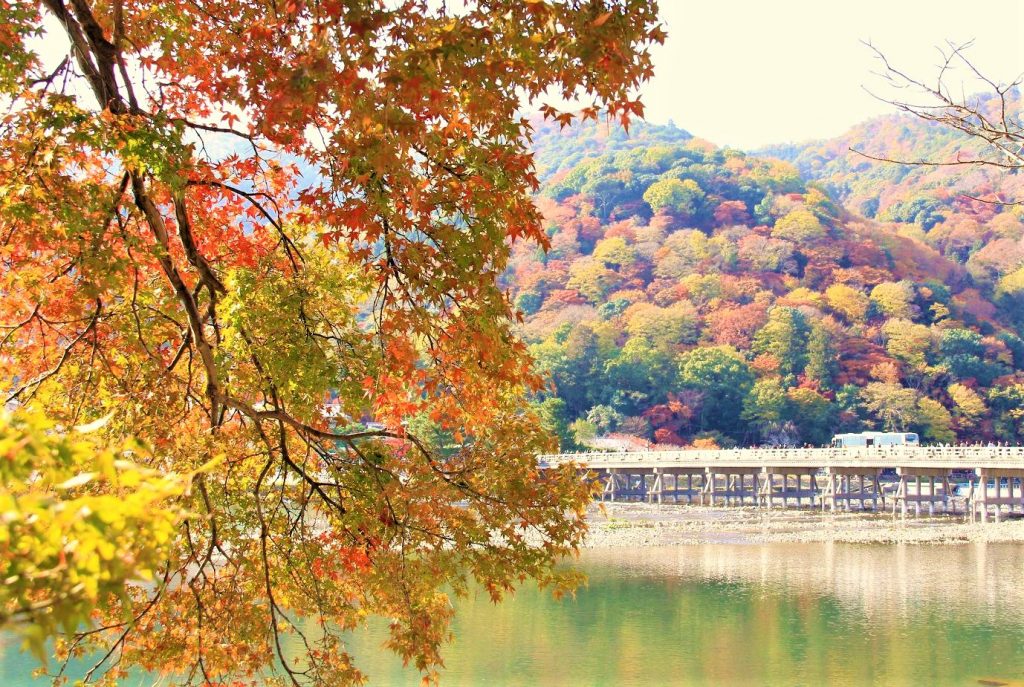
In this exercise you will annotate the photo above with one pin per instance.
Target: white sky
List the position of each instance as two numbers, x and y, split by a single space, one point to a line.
752 72
748 73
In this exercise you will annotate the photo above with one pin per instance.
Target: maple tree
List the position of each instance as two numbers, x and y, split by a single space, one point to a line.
264 239
119 532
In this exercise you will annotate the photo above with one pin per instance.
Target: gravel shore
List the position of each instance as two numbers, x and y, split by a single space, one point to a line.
641 524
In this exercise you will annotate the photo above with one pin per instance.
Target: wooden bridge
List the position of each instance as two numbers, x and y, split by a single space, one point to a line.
991 477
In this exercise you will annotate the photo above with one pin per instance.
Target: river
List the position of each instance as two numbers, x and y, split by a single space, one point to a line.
737 614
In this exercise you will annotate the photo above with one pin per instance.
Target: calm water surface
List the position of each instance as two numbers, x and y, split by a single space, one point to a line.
777 614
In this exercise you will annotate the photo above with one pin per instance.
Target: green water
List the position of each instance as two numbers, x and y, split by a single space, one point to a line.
778 614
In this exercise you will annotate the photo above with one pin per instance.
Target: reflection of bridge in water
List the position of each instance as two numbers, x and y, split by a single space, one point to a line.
991 477
981 579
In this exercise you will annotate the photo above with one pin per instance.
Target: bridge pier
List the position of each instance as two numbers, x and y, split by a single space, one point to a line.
609 485
839 487
626 483
981 498
903 495
659 489
735 479
767 494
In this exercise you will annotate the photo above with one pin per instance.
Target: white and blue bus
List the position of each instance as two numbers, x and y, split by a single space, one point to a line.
867 439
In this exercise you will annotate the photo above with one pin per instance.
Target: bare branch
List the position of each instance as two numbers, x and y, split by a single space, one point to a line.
986 120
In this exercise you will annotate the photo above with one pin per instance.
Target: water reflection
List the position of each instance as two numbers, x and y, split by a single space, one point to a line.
773 614
776 614
978 579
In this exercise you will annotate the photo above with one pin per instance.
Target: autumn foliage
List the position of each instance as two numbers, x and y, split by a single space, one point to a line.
263 240
723 297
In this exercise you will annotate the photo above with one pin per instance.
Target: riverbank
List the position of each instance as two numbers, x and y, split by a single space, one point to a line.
641 524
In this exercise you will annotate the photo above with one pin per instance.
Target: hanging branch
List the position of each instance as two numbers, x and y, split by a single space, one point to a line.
995 121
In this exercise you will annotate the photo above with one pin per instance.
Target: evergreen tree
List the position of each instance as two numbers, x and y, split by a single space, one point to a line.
812 413
724 378
821 356
554 419
784 336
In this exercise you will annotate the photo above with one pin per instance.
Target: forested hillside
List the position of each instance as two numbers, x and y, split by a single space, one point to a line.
923 195
955 208
694 295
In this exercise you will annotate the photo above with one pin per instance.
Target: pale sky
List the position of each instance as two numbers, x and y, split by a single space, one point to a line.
748 73
752 72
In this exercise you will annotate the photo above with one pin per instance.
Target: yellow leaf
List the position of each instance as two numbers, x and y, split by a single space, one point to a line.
95 424
77 480
210 464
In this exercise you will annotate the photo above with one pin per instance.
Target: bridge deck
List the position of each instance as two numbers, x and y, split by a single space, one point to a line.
941 457
850 475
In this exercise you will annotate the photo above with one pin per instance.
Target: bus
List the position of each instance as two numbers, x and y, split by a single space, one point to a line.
867 439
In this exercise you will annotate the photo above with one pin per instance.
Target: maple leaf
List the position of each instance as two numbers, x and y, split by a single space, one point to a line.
274 205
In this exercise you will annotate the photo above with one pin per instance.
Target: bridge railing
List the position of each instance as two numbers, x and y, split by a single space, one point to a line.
967 455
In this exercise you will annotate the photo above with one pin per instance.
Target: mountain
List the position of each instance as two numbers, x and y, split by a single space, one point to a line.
698 295
921 195
558 149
